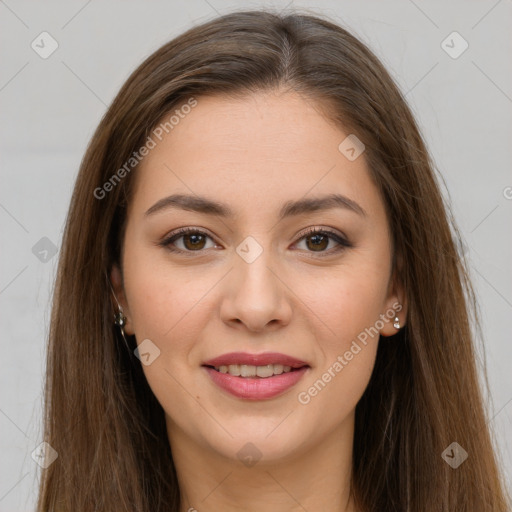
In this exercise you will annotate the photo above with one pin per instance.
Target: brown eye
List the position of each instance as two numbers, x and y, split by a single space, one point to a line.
194 241
317 240
186 240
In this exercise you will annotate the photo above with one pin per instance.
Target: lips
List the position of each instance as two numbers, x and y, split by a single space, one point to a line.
255 376
244 358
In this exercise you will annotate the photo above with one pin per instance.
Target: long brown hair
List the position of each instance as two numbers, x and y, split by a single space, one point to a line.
100 414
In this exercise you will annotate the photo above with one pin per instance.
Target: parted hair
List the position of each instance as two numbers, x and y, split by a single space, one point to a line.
100 414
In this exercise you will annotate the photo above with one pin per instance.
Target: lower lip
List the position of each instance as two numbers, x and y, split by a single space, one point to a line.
256 388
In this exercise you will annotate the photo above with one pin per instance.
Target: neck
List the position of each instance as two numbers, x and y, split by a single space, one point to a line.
316 478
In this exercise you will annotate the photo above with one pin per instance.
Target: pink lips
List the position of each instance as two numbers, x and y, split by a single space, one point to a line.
255 359
256 388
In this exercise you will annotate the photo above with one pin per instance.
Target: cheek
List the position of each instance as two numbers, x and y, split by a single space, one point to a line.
333 392
170 307
164 300
345 303
345 310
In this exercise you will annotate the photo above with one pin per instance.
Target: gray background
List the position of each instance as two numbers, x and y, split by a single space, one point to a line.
51 106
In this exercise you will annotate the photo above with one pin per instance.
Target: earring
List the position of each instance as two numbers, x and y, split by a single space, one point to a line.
120 321
119 318
396 323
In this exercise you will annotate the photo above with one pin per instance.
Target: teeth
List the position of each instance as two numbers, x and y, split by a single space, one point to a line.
249 370
234 369
278 369
265 371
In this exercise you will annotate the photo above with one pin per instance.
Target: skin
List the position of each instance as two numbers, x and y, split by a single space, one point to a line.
255 154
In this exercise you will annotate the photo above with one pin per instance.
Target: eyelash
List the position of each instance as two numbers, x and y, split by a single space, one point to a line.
343 243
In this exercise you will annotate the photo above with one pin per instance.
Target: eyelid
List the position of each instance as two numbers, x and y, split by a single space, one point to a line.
340 238
166 242
323 230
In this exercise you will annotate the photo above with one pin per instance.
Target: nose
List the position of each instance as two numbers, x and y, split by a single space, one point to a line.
256 297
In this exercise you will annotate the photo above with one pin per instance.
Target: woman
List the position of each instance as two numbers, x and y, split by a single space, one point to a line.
259 301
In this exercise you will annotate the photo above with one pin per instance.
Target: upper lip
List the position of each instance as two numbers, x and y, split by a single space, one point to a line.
255 359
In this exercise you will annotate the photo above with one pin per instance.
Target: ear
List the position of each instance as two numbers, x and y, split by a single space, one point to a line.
116 280
395 307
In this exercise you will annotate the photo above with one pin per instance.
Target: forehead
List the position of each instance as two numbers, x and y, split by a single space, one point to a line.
254 152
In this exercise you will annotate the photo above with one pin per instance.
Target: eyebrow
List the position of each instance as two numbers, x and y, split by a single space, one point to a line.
207 206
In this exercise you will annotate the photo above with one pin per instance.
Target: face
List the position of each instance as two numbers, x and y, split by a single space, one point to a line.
273 267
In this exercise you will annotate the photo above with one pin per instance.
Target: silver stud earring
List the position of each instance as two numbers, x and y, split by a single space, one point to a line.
119 318
396 323
120 321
